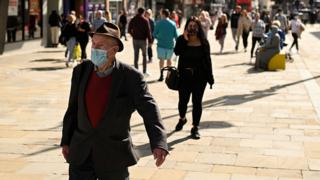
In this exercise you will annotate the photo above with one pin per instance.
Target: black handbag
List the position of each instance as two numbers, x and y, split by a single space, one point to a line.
172 78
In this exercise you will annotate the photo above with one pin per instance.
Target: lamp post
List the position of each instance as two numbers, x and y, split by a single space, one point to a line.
3 23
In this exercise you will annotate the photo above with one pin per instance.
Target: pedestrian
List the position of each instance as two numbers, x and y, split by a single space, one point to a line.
283 21
234 24
70 33
180 16
96 139
258 29
265 16
140 31
221 30
296 27
108 16
32 26
270 48
175 18
55 25
123 20
244 26
83 36
99 20
148 15
165 32
205 22
12 26
195 71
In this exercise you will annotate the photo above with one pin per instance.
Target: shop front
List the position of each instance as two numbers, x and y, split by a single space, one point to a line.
24 21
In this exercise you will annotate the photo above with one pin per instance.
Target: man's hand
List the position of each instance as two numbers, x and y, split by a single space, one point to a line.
159 155
65 151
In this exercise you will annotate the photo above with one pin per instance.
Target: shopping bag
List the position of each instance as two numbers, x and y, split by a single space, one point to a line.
77 52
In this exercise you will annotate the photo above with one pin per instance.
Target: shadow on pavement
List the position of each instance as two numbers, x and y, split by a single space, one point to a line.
46 68
153 81
49 60
241 64
224 53
53 51
316 34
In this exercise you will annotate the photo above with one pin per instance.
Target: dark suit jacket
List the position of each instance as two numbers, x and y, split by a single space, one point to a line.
110 143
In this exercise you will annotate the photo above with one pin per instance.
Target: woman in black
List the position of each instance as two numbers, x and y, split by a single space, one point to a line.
195 70
83 36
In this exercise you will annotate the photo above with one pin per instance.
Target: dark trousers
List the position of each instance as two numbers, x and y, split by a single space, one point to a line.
150 54
195 86
245 35
137 45
254 41
11 35
295 41
123 32
83 45
86 171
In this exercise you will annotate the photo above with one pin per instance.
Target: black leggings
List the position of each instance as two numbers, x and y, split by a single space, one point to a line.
83 45
295 41
245 35
254 41
195 87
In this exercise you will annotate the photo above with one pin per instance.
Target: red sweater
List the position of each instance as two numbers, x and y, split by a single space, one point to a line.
97 97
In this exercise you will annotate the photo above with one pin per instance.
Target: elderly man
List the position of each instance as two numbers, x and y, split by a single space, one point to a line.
99 20
104 93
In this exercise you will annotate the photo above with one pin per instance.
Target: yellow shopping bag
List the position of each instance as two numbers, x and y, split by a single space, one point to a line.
77 52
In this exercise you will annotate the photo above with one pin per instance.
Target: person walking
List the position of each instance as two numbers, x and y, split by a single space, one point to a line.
55 25
195 69
258 29
165 32
83 36
296 27
123 21
99 20
244 26
148 15
283 21
96 139
221 30
234 24
12 26
205 22
140 31
70 33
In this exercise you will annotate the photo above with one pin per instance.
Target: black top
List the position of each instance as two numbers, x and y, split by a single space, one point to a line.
234 20
54 20
195 57
83 36
123 19
70 31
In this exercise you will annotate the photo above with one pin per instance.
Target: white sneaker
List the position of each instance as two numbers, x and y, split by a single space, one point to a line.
146 74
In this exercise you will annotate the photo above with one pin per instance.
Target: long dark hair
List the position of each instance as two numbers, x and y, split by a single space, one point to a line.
200 34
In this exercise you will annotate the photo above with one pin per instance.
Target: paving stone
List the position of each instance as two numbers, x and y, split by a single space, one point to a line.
169 174
141 172
249 160
314 164
251 177
216 158
233 170
280 173
206 176
193 167
311 175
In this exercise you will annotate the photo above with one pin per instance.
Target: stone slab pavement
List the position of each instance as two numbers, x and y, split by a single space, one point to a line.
255 125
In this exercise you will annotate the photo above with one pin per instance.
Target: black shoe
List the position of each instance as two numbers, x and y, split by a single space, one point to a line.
161 78
180 124
195 133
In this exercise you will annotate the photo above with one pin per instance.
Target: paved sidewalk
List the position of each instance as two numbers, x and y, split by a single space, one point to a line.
255 125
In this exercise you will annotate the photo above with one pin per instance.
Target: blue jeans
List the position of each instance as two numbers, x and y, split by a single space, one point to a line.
71 44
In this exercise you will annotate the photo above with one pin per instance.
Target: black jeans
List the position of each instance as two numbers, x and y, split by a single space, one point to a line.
11 35
83 45
254 41
295 41
190 84
137 45
86 171
245 35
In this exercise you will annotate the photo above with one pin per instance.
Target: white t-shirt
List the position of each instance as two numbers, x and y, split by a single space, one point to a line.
295 26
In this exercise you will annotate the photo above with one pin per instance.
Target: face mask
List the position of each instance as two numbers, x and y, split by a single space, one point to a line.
192 31
99 56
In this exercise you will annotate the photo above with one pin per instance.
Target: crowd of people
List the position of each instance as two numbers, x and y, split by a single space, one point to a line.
96 127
